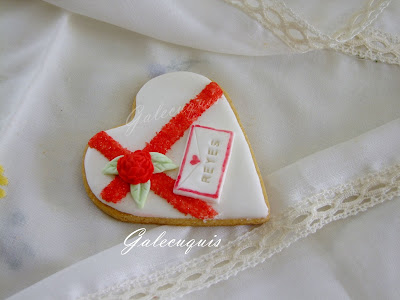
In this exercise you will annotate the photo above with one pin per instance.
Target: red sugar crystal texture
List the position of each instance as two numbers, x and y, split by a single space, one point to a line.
162 184
115 190
176 127
107 146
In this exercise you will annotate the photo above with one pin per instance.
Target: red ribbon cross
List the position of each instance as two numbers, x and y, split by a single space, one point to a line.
161 184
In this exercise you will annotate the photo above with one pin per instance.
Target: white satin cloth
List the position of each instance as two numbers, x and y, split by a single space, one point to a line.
324 126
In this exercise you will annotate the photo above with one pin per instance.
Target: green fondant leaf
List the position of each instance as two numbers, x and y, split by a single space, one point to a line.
161 163
111 167
139 193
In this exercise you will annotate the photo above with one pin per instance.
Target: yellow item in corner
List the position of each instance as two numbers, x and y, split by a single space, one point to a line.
3 181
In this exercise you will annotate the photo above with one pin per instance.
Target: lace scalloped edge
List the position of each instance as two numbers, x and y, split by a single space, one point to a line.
261 243
361 19
373 44
355 38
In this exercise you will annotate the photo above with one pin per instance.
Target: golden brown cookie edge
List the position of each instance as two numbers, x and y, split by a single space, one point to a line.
125 217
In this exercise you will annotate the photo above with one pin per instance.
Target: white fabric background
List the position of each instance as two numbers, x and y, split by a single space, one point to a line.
314 120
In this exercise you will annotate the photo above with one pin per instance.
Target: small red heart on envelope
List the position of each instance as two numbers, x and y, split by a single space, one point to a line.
195 160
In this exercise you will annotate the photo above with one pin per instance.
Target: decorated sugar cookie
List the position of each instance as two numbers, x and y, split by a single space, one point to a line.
182 160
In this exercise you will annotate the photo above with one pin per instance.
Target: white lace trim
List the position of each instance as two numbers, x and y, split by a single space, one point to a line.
284 23
361 20
264 241
356 38
373 44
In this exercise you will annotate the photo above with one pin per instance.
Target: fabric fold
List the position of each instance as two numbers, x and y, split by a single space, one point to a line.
310 119
291 186
259 27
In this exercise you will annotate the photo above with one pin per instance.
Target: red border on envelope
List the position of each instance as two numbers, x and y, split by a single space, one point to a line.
228 151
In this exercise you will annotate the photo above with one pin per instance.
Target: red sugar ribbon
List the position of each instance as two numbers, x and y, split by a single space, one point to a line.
162 184
176 127
107 146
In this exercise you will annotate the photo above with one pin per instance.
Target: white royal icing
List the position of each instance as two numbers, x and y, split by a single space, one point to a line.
157 101
204 163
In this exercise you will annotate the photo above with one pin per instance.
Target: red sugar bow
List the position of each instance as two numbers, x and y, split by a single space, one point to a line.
136 167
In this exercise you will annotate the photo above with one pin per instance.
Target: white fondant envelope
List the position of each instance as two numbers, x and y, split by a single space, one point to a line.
204 163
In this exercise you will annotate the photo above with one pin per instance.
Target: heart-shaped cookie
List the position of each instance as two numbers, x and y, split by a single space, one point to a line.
184 159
